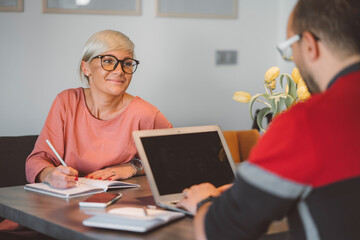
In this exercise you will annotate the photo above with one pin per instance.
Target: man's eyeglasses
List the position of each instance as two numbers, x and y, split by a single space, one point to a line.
110 63
285 48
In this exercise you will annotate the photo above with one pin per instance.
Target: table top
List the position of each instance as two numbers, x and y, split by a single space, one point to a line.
62 218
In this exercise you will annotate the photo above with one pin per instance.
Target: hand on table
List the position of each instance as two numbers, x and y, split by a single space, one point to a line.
60 176
193 195
122 171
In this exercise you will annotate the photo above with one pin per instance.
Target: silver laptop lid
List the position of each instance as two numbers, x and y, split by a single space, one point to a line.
177 158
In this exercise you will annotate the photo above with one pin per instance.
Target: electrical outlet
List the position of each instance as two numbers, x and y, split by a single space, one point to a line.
226 57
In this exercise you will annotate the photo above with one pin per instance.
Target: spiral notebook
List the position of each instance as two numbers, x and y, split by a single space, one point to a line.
84 186
132 219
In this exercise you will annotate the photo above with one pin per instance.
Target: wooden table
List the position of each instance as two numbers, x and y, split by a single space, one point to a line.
62 218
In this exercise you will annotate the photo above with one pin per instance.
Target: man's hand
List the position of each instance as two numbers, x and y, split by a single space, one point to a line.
193 195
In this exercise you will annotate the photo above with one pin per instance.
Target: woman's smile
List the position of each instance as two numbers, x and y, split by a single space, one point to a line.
115 80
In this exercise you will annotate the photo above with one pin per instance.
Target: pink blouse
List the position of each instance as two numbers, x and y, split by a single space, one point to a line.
88 144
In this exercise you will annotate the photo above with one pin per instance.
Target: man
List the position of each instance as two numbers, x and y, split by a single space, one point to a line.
307 165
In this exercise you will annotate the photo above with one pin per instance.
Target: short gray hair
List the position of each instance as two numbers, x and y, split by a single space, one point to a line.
103 41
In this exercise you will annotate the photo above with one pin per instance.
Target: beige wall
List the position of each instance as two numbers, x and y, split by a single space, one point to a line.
40 54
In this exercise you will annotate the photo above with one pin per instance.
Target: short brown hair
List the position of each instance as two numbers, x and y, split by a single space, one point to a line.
336 22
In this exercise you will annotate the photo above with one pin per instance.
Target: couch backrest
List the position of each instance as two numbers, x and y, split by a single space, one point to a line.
13 154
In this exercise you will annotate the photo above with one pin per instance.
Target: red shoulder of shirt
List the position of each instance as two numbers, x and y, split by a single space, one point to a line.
315 142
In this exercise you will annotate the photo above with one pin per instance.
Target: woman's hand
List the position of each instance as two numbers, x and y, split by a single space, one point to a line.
122 171
59 177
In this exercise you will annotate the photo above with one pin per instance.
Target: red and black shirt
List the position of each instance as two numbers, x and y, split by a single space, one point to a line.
305 167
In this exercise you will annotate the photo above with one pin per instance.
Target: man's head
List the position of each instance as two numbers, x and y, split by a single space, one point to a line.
329 29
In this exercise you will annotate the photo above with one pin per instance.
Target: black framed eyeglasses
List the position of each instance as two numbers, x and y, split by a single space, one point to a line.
285 48
110 63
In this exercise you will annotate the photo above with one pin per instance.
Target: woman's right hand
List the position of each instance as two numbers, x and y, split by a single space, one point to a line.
59 177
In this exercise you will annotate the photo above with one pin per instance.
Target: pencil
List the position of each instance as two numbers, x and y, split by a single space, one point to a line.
57 155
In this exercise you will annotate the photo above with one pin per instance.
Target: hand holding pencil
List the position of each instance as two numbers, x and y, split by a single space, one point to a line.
61 176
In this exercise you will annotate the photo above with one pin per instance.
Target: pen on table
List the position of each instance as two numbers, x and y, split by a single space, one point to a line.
57 155
145 211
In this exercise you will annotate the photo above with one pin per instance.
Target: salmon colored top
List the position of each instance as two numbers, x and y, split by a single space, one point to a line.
86 143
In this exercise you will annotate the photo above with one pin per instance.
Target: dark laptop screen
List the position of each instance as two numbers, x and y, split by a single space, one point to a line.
182 160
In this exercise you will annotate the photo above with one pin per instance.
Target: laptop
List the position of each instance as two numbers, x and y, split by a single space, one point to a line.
177 158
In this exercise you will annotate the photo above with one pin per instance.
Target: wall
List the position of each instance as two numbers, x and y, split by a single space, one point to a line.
40 55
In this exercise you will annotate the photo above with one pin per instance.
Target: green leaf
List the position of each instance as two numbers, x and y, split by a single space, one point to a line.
260 117
272 103
253 99
289 101
291 84
280 104
278 100
281 79
278 95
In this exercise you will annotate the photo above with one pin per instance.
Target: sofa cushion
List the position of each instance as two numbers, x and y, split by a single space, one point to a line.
241 142
13 154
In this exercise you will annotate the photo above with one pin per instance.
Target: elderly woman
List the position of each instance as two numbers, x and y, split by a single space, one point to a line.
91 128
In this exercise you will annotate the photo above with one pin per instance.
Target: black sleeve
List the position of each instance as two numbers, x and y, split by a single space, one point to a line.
244 212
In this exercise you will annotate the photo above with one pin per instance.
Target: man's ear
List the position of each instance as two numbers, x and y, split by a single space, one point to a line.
311 47
85 68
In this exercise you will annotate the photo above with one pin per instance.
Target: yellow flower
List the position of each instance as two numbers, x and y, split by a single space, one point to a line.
242 97
303 93
272 84
296 75
275 103
301 82
271 74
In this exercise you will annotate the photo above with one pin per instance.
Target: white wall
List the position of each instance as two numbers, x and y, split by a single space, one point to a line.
40 54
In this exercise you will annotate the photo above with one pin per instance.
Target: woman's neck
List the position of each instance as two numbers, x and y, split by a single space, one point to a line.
105 107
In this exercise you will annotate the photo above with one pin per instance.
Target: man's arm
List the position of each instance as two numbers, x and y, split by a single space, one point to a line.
194 195
246 210
200 220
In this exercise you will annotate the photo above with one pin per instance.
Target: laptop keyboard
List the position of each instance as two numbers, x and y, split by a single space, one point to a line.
173 203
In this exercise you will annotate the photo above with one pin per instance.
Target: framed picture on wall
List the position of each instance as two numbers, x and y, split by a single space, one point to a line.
11 5
123 7
197 8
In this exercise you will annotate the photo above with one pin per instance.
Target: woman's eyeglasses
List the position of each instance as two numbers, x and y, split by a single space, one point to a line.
110 63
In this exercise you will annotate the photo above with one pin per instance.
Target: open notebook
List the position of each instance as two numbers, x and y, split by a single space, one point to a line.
132 219
84 187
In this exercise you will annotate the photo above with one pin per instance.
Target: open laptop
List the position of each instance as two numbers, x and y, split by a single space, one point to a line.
177 158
